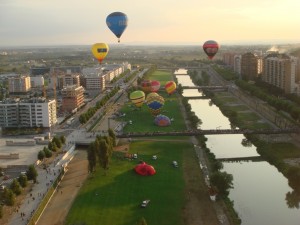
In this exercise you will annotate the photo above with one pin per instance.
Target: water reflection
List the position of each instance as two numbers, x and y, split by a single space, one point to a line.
261 194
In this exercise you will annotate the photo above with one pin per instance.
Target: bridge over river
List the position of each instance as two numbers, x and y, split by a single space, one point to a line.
86 139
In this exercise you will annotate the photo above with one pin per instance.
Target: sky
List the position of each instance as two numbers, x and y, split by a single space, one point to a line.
83 22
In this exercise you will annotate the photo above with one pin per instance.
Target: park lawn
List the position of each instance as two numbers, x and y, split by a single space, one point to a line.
161 76
115 198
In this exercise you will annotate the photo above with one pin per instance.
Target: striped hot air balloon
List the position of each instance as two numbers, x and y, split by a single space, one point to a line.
170 87
137 98
146 86
162 121
155 104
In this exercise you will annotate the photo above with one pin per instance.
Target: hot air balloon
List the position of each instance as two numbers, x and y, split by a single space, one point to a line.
162 121
146 86
99 51
117 23
211 48
144 169
170 87
137 98
155 85
155 104
150 95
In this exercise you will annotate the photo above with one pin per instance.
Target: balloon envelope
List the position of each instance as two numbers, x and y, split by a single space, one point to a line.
117 23
170 87
211 48
155 85
155 104
146 86
150 95
144 169
137 98
100 51
162 121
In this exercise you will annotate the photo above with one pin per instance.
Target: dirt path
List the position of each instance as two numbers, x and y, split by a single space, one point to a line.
62 200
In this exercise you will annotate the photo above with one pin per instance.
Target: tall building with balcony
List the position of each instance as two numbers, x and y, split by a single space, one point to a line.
93 80
228 58
237 64
249 66
19 85
280 70
24 113
72 98
64 80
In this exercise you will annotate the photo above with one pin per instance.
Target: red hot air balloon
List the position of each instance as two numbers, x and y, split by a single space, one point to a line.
155 85
144 169
170 87
146 86
211 48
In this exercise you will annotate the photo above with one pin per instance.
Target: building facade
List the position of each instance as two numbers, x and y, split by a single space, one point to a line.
19 84
281 71
64 80
249 66
24 113
237 64
72 98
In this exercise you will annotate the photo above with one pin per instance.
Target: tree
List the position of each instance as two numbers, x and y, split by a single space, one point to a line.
47 152
9 197
63 139
103 154
1 211
54 147
50 146
92 157
57 141
41 155
292 199
32 173
222 181
16 187
23 180
111 134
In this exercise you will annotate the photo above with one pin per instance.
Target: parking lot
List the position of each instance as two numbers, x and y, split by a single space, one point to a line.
23 156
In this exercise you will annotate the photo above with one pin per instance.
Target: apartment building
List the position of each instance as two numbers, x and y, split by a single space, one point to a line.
72 98
280 70
19 84
64 80
93 80
22 113
249 66
237 64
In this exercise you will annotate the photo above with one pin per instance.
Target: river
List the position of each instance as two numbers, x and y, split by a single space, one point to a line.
259 190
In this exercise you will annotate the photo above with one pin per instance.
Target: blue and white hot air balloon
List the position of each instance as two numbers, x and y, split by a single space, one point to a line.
117 23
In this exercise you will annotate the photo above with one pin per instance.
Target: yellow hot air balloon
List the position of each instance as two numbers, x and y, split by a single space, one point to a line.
100 51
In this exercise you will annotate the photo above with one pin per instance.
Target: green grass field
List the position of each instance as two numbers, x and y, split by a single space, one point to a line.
115 198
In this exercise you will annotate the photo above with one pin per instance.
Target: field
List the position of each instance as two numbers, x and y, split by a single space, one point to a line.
177 195
114 197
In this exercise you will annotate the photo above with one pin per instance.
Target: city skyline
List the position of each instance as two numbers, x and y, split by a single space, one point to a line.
33 22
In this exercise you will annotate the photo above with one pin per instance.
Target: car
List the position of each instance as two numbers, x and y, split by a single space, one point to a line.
154 157
175 164
145 203
135 156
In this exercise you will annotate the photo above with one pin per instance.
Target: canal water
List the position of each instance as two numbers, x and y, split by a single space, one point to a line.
259 189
